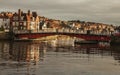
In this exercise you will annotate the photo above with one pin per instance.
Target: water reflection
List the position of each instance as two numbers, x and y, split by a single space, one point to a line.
28 58
91 51
21 55
27 52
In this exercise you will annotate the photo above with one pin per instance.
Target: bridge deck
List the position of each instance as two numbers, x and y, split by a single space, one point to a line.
90 36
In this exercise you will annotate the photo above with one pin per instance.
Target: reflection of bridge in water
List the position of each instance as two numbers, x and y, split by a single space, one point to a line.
29 54
34 52
86 35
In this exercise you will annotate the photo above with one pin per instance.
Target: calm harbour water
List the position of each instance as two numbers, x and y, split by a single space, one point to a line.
28 58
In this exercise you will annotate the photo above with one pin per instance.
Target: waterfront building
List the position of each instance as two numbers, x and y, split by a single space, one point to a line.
44 25
25 21
4 23
31 21
18 21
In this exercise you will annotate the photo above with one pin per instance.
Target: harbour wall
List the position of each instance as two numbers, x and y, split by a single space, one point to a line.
4 36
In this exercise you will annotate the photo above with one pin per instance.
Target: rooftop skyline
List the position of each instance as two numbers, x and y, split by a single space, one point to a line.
102 11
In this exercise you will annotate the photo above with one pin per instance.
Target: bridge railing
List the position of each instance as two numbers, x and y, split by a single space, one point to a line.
61 31
20 31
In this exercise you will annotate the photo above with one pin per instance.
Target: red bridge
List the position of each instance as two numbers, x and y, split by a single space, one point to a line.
86 35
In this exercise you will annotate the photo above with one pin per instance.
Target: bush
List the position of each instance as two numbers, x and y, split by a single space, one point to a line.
1 28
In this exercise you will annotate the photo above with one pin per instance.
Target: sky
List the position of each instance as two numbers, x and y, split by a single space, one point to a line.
100 11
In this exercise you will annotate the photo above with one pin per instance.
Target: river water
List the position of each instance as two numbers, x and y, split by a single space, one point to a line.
41 58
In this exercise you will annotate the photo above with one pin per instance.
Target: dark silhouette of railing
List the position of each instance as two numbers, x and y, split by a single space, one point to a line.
62 31
86 35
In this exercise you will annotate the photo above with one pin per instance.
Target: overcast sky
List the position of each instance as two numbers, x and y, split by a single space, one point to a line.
102 11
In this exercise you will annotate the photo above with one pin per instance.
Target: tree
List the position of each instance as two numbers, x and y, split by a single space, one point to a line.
2 28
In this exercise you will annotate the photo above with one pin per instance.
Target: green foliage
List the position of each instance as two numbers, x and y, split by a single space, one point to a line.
1 28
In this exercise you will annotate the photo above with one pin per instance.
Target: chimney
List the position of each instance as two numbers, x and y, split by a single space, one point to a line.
34 14
28 12
19 12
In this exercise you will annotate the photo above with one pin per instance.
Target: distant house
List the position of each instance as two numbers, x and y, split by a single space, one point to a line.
32 21
25 21
44 26
5 23
18 21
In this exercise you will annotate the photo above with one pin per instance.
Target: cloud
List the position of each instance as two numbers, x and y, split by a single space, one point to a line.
106 11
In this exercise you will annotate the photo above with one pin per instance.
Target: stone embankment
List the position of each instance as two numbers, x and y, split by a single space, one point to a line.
61 40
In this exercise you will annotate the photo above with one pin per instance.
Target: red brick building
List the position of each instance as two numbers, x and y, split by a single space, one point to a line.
24 21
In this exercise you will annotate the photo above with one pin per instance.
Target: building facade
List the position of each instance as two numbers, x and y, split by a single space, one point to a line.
25 21
4 23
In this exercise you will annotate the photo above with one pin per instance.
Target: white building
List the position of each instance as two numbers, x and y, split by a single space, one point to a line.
5 22
44 25
34 25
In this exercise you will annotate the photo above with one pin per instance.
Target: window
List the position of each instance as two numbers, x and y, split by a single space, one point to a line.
14 18
22 17
32 23
24 23
17 24
4 19
24 28
13 23
21 23
16 28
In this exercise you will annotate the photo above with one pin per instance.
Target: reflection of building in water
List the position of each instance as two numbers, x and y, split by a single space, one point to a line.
91 51
4 50
26 51
117 56
34 52
116 52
